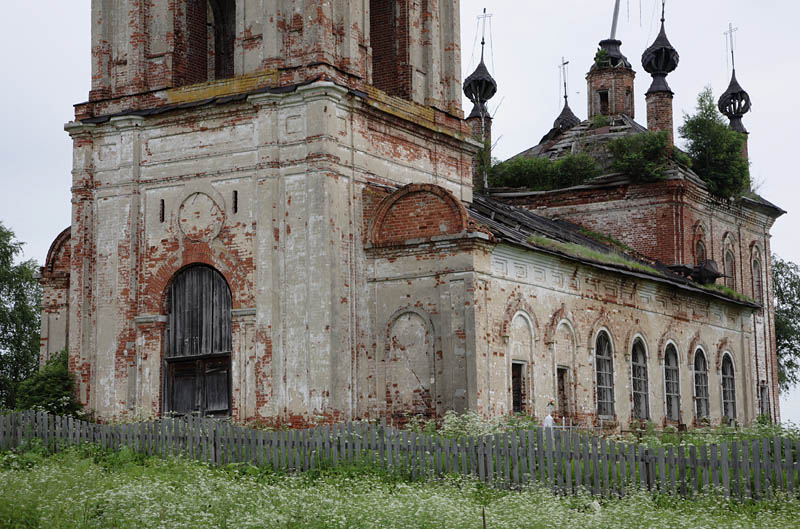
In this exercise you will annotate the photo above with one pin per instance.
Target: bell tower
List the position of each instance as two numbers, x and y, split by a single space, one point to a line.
243 141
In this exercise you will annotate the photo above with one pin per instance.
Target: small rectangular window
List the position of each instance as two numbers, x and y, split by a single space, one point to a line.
236 202
604 102
517 387
562 376
161 211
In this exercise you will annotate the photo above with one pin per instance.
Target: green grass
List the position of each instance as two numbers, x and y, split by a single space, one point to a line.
89 488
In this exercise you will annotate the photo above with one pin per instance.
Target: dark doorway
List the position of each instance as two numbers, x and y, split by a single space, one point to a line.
562 375
198 344
517 387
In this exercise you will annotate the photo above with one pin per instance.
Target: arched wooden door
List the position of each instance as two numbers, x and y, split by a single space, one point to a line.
198 344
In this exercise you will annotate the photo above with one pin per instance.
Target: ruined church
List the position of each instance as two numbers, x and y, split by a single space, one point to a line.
276 218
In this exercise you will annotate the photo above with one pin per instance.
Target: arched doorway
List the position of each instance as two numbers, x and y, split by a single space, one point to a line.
197 352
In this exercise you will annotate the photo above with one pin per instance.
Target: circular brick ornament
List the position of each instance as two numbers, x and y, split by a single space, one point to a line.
200 218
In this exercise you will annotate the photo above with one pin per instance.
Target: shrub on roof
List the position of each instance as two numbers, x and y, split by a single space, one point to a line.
543 174
642 157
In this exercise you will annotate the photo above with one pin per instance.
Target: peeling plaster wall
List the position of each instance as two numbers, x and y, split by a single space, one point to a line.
565 301
291 251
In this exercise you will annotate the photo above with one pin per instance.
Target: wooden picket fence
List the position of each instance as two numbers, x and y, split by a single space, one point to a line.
565 460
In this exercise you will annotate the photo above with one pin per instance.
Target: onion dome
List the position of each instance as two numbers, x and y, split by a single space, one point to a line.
610 56
660 59
480 87
567 119
735 103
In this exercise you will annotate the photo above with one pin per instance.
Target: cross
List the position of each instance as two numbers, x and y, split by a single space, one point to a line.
482 18
729 34
563 72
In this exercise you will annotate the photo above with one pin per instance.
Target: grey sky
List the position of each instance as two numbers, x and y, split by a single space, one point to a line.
45 70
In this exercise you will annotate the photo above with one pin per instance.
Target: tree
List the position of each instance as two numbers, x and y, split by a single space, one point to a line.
51 389
786 281
20 298
715 149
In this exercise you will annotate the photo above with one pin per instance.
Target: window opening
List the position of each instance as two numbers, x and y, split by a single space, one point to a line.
605 375
604 102
221 36
730 279
236 202
701 385
161 211
672 383
764 394
562 374
757 285
641 406
518 387
699 253
728 389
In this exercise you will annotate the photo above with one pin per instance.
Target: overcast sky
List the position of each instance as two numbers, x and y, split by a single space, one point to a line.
46 69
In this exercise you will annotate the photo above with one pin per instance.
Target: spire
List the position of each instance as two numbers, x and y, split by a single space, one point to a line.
480 86
660 59
735 102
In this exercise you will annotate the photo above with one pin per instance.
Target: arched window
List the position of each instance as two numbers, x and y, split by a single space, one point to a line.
699 252
728 389
700 385
605 375
672 388
757 284
198 343
204 42
641 405
730 270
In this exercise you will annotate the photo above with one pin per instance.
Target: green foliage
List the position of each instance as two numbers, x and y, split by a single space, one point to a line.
455 425
50 389
715 149
708 435
786 281
20 298
601 59
599 121
483 163
642 157
729 292
543 174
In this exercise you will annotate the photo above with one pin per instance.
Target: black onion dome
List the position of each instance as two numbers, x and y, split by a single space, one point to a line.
610 56
660 59
480 86
735 103
567 119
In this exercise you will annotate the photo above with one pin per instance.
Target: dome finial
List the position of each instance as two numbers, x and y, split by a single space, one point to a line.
660 58
735 102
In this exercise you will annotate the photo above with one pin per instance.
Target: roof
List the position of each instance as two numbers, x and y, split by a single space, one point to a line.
521 227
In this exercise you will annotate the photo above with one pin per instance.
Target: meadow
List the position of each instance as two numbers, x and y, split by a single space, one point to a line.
87 487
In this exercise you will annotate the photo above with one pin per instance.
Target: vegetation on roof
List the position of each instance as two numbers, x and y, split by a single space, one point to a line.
642 157
715 149
544 174
607 240
613 259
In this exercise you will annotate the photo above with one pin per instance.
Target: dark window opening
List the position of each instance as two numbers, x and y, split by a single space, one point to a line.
672 384
161 212
641 405
699 253
757 284
198 343
628 100
236 202
518 387
604 102
383 39
730 270
562 377
764 398
701 385
204 42
728 389
605 376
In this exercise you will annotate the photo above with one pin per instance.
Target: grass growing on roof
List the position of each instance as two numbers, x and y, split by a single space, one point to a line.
582 252
729 292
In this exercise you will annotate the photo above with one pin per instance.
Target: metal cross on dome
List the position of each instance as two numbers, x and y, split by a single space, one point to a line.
729 41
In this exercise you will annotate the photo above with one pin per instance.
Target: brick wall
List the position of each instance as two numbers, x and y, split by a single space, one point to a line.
659 112
388 21
619 84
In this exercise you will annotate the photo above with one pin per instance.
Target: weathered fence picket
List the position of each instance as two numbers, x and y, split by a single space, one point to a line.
562 460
